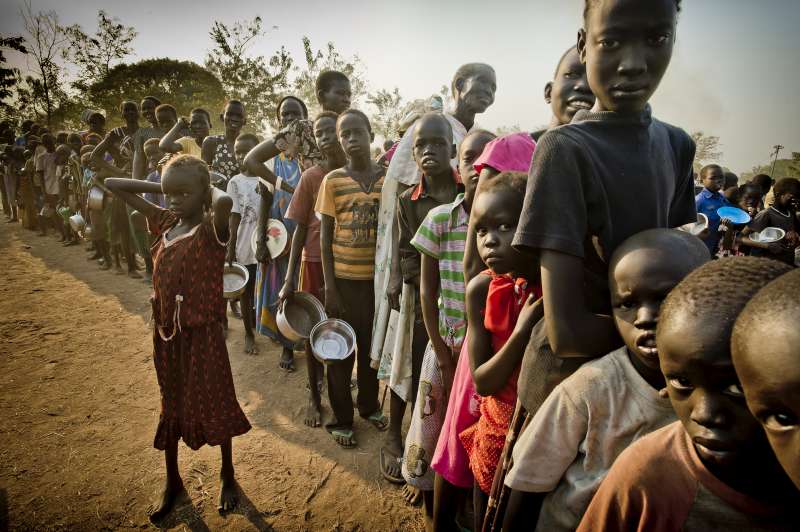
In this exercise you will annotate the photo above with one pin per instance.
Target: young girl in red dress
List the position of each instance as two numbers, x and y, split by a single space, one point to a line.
198 399
503 305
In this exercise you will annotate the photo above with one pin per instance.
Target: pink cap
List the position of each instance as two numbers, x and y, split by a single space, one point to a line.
511 153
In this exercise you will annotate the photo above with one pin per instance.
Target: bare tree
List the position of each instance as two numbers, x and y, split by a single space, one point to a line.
389 111
707 149
45 42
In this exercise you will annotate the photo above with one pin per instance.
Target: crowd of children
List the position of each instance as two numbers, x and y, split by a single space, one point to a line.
575 354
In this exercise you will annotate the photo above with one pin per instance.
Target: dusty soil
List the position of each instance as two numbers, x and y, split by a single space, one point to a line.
79 405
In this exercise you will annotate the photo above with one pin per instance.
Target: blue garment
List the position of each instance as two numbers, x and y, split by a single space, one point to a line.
268 286
707 203
158 199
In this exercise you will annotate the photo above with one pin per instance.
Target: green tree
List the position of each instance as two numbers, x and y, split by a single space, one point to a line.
9 76
389 111
707 149
257 81
181 83
783 168
94 55
44 91
330 59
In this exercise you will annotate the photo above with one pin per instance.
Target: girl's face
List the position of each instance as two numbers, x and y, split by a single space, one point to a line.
166 119
325 134
354 136
130 113
184 192
626 46
234 117
337 97
496 212
200 125
477 91
750 201
569 92
290 111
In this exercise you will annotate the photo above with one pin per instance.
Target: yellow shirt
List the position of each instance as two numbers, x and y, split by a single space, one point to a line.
189 146
356 213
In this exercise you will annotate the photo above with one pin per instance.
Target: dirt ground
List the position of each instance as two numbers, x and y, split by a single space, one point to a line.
79 405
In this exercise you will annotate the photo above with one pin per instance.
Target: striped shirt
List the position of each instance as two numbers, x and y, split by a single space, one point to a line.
356 213
443 236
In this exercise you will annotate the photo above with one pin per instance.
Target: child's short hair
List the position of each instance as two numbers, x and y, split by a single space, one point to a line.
762 180
327 79
232 102
589 3
190 162
327 114
722 286
708 168
561 59
169 108
153 99
786 184
248 137
123 103
201 111
466 71
690 248
514 181
358 114
86 148
778 298
295 98
737 193
151 142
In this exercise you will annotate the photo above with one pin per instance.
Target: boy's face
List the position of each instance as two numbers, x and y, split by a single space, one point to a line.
325 134
241 148
433 145
640 281
767 364
290 111
49 142
750 200
705 392
75 143
469 151
713 179
234 117
200 125
477 90
97 122
569 92
153 155
130 113
149 111
337 97
166 119
786 200
627 46
354 136
183 190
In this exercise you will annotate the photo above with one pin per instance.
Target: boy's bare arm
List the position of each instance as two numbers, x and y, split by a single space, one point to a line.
234 220
429 295
168 143
332 305
255 159
473 265
298 241
221 205
264 204
572 328
128 190
98 156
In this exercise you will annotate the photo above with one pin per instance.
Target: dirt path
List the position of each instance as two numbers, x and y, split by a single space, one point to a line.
79 406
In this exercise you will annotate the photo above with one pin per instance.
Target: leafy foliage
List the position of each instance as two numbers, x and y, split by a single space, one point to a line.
389 111
181 83
9 76
783 168
94 54
257 81
507 130
329 59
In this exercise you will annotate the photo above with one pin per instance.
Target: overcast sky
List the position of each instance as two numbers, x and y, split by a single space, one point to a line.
734 72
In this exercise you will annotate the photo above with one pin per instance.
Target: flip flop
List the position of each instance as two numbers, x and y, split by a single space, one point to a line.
378 420
338 433
383 460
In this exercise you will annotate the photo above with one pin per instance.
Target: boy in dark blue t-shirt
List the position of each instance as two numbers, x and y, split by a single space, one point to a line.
709 200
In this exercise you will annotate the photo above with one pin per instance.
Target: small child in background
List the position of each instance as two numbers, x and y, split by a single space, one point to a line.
713 469
592 416
348 203
783 215
243 190
153 155
747 197
766 354
432 150
709 200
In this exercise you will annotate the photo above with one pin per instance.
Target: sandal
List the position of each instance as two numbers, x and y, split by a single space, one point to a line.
386 458
344 438
378 420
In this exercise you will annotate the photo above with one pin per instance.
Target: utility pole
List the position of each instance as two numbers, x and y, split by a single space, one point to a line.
775 153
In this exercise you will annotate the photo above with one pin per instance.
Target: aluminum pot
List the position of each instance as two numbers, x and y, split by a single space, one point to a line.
96 197
298 315
332 340
77 223
234 280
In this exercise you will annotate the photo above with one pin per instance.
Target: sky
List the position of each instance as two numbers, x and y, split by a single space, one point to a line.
734 73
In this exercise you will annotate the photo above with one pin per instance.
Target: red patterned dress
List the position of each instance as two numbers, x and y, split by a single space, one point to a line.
198 399
485 439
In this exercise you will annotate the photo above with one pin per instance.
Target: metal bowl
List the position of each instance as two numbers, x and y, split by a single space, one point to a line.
695 228
298 315
332 340
768 235
234 280
95 199
77 223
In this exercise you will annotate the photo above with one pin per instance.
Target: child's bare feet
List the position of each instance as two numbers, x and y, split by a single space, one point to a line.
412 495
391 459
164 504
250 347
287 360
133 274
313 415
228 498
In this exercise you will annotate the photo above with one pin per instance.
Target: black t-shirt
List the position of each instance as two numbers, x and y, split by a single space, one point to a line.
772 217
593 183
